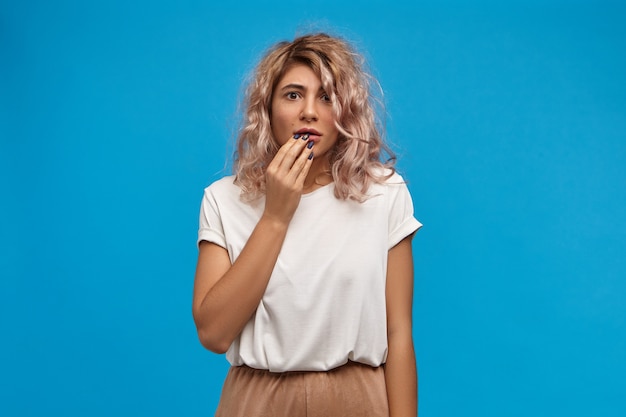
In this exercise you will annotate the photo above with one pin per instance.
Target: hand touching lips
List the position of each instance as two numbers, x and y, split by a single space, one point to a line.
312 134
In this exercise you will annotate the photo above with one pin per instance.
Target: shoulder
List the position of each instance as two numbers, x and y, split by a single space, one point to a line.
395 178
387 178
224 186
224 183
391 186
223 190
226 193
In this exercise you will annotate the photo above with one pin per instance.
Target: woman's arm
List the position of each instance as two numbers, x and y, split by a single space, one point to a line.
400 369
225 296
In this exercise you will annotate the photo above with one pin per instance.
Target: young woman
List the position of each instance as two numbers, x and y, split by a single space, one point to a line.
305 271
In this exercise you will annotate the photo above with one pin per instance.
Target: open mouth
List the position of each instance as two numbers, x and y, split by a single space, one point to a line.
313 134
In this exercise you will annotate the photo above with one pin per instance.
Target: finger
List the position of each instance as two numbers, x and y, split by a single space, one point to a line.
291 155
300 162
305 169
282 151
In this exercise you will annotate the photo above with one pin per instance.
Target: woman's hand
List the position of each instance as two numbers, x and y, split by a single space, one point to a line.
284 179
225 295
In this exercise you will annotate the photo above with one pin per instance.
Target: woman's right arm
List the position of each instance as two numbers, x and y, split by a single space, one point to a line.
225 296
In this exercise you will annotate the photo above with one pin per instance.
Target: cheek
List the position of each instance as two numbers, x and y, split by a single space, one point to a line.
328 116
280 126
278 122
329 121
277 114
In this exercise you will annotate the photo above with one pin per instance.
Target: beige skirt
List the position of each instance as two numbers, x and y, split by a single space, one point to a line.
350 390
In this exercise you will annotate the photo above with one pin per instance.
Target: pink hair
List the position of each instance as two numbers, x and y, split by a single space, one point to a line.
356 162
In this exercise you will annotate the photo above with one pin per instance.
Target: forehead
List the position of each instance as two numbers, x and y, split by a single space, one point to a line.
300 74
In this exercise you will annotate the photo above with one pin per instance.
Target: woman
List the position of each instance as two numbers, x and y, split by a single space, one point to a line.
305 271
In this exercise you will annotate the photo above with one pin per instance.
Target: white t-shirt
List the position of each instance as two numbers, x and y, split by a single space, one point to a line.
325 301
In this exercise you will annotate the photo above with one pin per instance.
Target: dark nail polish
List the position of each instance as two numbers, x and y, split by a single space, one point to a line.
311 155
305 137
296 136
309 145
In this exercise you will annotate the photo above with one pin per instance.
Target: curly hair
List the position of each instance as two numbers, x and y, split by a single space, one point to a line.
356 161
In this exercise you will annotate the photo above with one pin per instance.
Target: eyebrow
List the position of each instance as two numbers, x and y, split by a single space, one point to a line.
295 86
292 85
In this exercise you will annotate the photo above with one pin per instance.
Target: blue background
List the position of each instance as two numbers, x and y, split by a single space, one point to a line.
510 124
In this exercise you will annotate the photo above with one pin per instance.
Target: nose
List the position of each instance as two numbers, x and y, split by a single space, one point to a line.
309 110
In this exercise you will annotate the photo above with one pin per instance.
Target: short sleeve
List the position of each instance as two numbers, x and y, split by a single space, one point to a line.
211 228
401 219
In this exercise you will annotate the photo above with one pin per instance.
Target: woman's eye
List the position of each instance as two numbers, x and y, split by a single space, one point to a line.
292 95
325 97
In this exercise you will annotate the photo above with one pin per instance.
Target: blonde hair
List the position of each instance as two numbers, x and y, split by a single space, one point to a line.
356 161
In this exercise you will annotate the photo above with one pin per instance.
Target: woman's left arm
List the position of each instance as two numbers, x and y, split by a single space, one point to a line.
400 369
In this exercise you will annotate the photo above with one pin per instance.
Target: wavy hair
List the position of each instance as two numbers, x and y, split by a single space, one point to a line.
357 158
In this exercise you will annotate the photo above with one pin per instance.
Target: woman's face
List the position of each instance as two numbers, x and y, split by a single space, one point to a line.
300 105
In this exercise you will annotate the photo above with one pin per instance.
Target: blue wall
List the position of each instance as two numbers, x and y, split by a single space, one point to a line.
510 124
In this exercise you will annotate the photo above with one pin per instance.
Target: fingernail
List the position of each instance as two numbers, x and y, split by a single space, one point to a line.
305 137
311 155
309 145
296 136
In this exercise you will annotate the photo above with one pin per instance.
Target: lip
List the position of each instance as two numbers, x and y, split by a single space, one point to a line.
314 135
309 131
